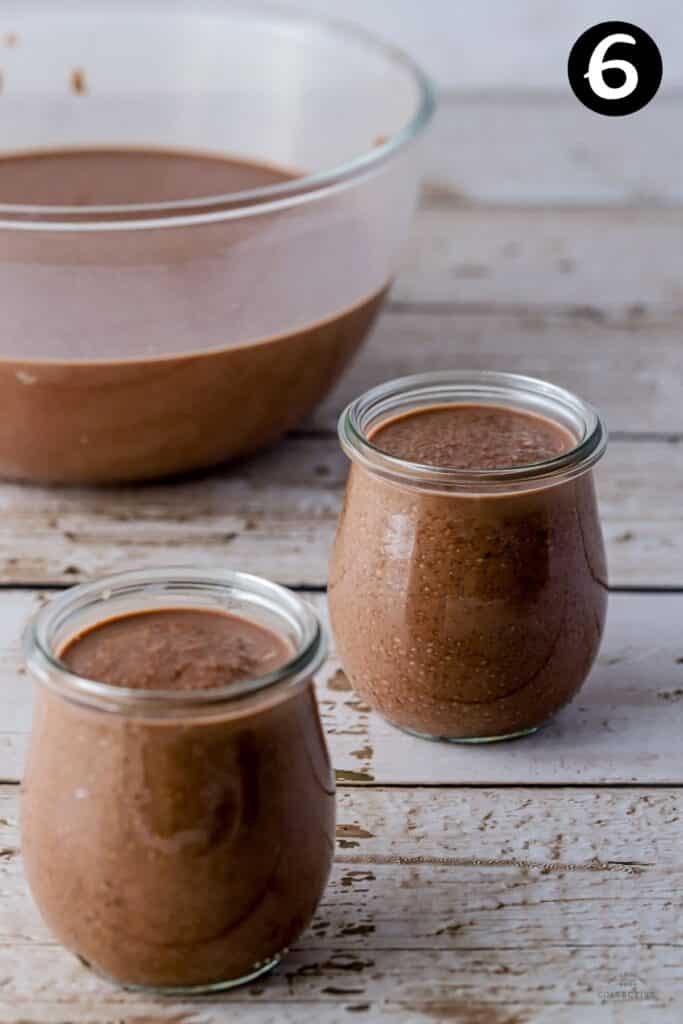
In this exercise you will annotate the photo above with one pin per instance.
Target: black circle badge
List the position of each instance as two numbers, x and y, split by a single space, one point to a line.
615 68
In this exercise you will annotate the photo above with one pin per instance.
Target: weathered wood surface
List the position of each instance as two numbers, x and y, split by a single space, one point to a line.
624 727
476 906
613 264
276 515
631 373
547 244
525 147
589 298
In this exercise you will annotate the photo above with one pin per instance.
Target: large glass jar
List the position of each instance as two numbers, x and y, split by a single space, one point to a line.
177 841
469 604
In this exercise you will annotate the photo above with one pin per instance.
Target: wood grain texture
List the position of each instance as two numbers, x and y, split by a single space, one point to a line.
624 727
486 907
519 146
615 266
549 244
632 373
276 515
588 297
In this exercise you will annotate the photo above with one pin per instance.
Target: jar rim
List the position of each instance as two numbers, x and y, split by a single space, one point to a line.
474 387
45 665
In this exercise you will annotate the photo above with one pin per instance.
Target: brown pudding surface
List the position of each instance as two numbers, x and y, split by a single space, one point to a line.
468 615
178 847
470 436
175 649
143 351
102 177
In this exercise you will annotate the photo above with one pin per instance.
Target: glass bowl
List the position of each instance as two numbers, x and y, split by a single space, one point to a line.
151 328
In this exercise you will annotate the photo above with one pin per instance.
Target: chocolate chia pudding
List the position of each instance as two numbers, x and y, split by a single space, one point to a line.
468 579
177 837
135 348
472 437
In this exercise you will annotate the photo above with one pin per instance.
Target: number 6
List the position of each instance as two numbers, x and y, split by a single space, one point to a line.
598 65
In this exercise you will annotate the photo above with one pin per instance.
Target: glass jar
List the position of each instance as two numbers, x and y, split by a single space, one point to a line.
177 841
469 605
134 326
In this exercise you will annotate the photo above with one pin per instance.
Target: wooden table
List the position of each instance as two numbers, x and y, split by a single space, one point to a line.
538 881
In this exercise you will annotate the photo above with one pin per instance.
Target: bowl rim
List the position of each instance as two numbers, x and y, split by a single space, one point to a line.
264 200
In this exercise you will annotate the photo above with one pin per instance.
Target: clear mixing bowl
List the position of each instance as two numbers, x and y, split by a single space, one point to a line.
145 338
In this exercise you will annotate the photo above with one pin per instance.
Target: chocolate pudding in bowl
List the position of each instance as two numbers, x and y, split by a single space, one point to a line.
468 581
178 810
183 284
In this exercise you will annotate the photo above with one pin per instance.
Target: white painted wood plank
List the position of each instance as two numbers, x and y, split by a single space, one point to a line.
276 515
586 297
493 44
324 985
633 374
624 727
273 515
524 147
618 267
445 905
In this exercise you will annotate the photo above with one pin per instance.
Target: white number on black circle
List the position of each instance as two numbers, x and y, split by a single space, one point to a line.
598 65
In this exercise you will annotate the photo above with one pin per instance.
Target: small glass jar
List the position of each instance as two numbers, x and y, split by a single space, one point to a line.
177 841
469 605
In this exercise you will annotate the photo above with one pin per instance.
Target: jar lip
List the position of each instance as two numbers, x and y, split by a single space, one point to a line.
471 386
46 666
